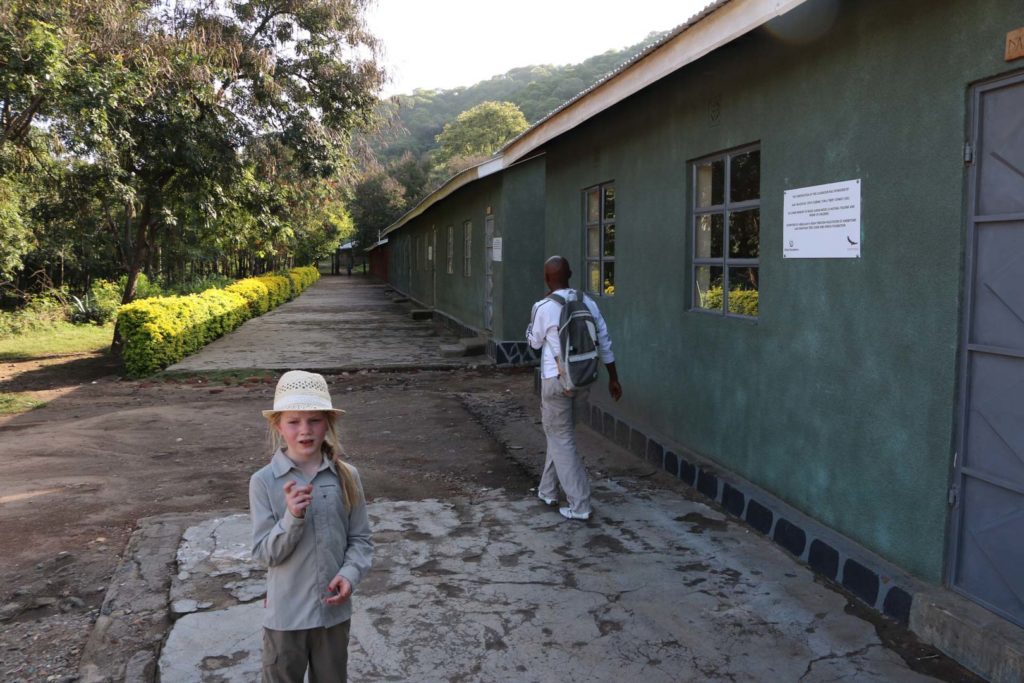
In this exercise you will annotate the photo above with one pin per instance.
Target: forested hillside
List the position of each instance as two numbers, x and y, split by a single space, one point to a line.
536 90
403 159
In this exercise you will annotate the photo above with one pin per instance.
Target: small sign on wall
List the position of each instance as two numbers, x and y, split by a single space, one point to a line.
1015 45
822 221
496 249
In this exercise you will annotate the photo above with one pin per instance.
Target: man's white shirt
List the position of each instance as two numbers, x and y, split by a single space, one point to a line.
543 331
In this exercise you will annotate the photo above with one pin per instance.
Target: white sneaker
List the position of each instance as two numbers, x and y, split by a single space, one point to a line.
548 501
569 514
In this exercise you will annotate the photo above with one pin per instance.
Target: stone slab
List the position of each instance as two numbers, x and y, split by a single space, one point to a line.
654 587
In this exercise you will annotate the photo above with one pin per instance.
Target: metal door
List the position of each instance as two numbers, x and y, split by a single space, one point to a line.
489 272
988 518
432 258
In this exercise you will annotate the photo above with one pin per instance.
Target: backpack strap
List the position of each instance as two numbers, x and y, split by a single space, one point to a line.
560 300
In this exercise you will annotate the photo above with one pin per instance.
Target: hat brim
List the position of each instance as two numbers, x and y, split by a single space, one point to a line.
335 411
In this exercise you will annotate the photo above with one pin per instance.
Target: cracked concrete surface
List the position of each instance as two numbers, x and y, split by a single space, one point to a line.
493 588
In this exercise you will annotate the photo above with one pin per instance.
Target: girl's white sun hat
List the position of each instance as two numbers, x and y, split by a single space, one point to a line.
298 390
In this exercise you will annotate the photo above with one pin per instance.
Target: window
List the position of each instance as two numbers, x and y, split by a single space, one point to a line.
599 225
727 232
467 244
451 250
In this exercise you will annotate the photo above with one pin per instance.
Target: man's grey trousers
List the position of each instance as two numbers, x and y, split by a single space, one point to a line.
562 464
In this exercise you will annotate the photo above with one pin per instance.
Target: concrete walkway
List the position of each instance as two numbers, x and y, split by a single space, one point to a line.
655 588
340 323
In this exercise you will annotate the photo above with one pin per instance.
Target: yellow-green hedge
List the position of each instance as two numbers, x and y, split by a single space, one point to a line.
742 301
255 292
280 288
160 331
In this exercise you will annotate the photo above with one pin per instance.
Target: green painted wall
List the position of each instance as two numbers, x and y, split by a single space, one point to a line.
514 198
521 227
840 398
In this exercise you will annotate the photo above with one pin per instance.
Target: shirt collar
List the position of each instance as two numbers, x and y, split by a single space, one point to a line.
281 464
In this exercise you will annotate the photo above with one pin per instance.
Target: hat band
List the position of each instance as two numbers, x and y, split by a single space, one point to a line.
302 402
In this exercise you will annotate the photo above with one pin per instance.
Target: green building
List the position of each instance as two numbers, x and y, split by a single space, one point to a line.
804 224
471 249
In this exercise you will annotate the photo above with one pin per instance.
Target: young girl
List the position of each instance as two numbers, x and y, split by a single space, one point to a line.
310 528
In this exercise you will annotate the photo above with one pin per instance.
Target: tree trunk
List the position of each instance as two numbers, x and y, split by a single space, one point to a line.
139 254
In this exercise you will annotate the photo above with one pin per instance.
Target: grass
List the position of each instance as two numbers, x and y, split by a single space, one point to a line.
17 403
59 340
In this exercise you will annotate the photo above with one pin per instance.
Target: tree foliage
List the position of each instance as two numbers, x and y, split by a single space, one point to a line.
175 138
415 119
421 139
480 130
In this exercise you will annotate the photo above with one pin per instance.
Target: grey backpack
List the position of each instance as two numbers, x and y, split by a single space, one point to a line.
577 333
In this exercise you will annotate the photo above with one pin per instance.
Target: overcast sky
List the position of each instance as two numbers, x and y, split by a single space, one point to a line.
448 43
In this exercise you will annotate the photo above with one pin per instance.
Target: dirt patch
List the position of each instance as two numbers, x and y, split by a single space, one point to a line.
76 474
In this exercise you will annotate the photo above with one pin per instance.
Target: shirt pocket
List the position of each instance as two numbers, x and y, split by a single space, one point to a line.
329 507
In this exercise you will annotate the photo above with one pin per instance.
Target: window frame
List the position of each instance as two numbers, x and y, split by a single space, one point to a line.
725 209
602 222
467 248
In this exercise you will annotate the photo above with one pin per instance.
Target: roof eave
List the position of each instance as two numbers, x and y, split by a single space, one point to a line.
459 180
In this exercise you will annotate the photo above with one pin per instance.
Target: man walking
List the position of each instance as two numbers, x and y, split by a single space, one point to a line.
563 464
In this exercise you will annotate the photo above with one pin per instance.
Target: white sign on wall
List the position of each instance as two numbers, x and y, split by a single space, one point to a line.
822 221
496 249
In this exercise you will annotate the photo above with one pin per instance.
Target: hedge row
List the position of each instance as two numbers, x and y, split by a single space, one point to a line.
742 301
160 331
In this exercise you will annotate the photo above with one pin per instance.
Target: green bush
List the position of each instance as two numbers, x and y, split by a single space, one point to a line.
160 331
198 284
741 301
304 276
255 292
40 311
279 286
106 298
144 287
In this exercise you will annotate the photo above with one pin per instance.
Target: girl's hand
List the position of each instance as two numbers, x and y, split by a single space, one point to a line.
297 498
341 590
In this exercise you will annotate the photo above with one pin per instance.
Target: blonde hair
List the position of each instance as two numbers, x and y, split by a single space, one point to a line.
331 448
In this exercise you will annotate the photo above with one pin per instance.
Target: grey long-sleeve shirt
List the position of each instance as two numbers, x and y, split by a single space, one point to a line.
304 554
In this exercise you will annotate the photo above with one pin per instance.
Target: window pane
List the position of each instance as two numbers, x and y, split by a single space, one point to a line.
745 234
593 206
593 242
745 176
709 235
609 279
743 292
609 240
707 290
710 183
609 203
593 276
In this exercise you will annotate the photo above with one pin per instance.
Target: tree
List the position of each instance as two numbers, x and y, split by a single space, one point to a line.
377 201
15 237
294 72
480 131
